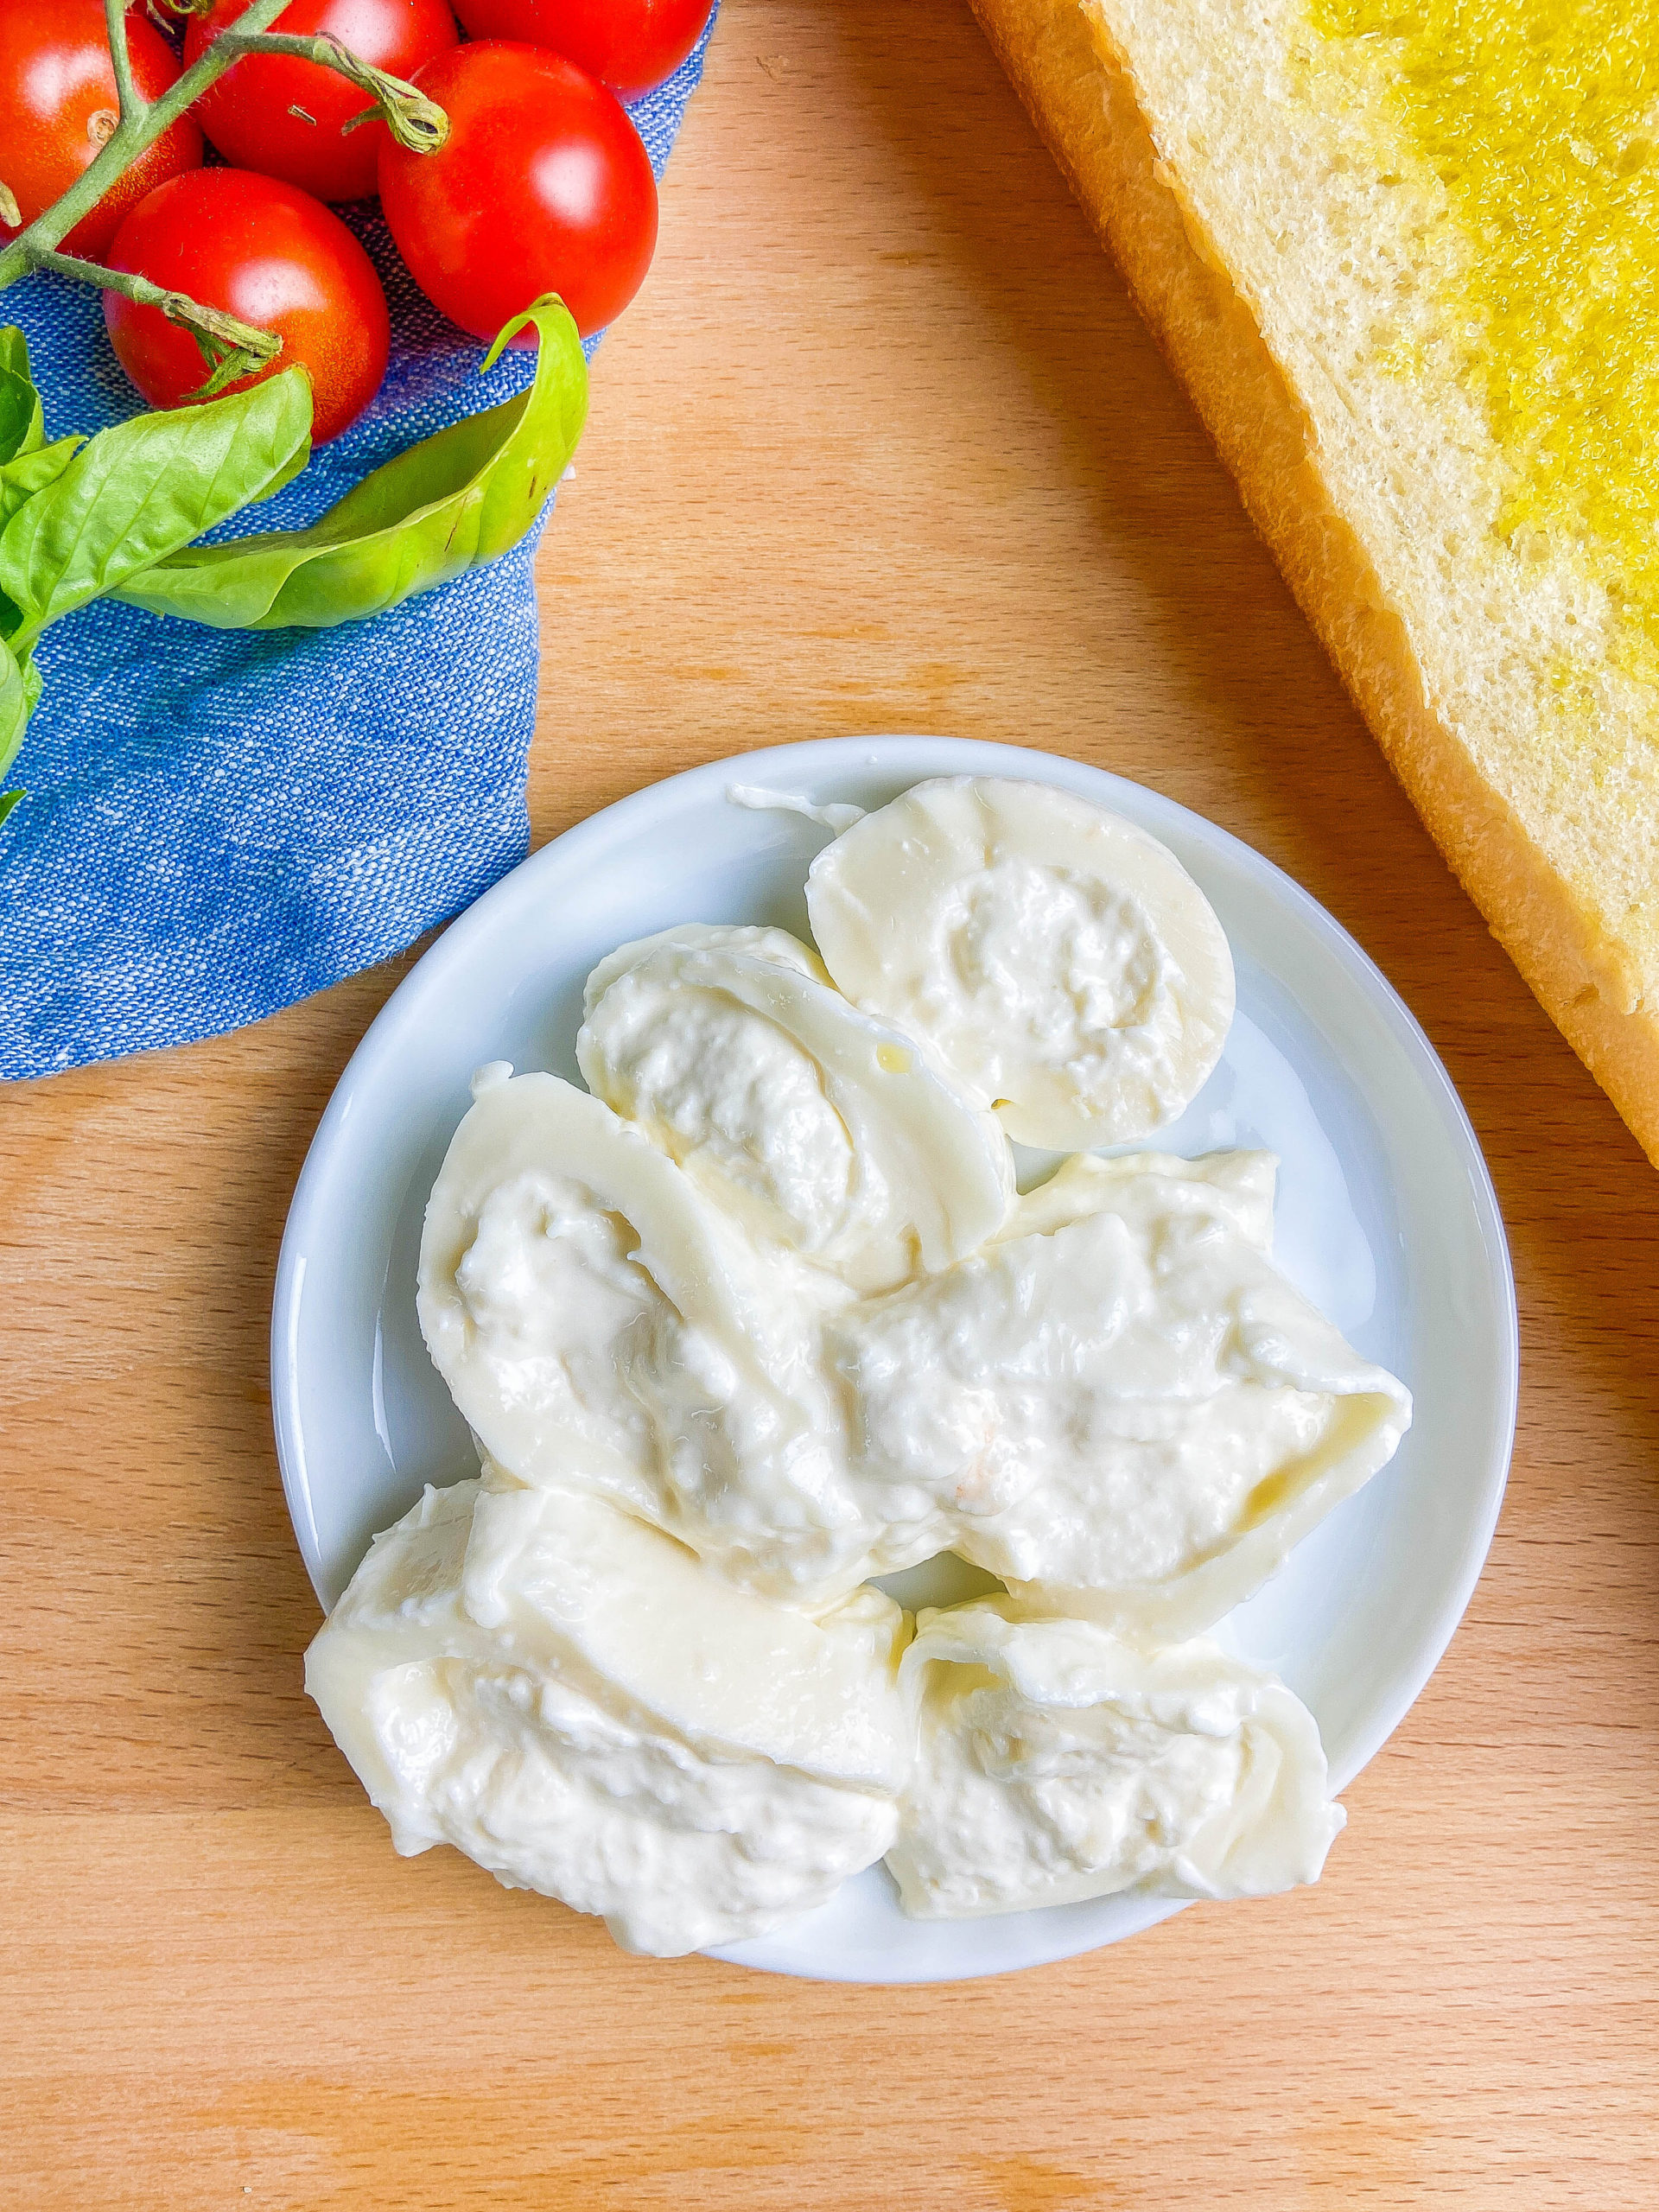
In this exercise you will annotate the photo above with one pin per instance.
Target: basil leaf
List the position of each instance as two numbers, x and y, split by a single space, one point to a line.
33 471
142 489
18 697
447 504
21 426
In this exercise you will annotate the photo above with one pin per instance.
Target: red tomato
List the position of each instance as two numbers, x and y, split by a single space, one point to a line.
629 45
543 185
249 114
271 254
58 105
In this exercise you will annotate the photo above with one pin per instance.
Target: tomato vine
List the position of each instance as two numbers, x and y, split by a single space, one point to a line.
230 348
117 514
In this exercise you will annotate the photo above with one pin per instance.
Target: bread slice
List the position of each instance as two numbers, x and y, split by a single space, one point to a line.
1315 281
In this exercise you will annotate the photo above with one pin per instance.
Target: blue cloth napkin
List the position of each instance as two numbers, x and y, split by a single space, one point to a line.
219 822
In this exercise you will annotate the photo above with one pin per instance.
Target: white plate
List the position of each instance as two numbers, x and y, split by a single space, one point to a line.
1386 1219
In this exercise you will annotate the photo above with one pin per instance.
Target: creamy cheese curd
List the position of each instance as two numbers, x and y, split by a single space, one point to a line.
1061 962
1056 1764
1118 1405
759 1316
815 1125
572 1700
759 941
601 1325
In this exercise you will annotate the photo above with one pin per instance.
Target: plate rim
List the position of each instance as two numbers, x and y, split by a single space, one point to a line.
799 762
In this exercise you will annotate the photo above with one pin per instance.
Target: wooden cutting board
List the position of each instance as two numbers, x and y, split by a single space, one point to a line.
882 446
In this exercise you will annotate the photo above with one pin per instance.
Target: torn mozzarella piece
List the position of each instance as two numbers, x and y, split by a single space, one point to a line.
1060 961
775 946
600 1325
814 1125
1118 1405
569 1698
1055 1764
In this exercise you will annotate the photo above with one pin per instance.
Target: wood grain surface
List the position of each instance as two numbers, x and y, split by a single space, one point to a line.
881 447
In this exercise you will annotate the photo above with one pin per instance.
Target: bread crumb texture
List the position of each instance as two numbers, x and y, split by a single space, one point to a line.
1539 120
1443 220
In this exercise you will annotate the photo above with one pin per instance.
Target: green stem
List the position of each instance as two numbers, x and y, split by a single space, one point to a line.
230 349
413 120
130 137
133 103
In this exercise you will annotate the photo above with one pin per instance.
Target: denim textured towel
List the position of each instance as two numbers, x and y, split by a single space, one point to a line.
220 822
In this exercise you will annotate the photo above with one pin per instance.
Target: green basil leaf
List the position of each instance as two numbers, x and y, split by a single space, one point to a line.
33 471
142 489
447 504
20 481
18 697
21 425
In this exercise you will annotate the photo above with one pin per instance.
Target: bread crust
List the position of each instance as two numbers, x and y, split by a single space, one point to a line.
1085 109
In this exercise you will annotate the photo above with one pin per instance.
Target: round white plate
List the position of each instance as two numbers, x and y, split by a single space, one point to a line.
1386 1219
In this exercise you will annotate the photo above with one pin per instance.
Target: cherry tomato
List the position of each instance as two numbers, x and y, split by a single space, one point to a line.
272 255
58 107
286 119
629 45
543 185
